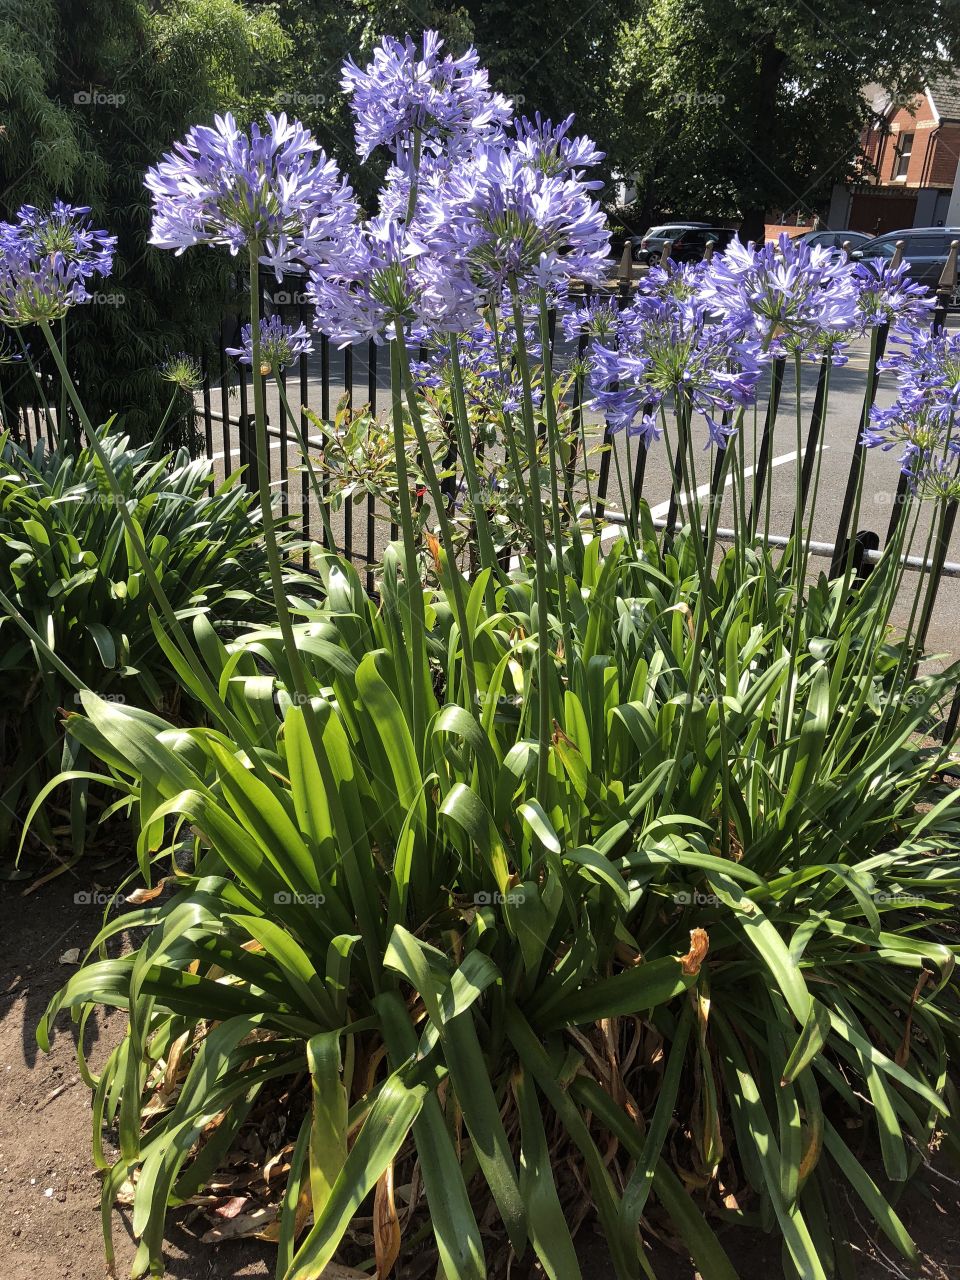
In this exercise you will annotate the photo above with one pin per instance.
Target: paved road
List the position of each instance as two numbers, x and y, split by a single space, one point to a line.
845 405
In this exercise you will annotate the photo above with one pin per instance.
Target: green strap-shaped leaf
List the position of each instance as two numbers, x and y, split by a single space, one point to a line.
382 1134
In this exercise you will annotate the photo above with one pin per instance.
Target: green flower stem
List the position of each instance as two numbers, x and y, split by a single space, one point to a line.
305 454
446 529
540 555
274 562
705 571
414 624
523 489
850 531
54 432
367 918
488 555
64 433
555 462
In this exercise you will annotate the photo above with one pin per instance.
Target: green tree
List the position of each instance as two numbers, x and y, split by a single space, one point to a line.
734 107
91 93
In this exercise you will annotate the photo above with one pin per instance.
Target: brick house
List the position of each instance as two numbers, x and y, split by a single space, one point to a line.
910 158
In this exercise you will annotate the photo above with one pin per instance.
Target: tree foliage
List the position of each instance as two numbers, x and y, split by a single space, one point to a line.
734 107
91 94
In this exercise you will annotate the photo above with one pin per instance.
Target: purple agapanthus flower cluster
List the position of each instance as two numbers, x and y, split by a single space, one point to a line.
887 295
516 222
47 260
488 367
668 346
922 421
790 295
274 188
387 271
280 344
447 101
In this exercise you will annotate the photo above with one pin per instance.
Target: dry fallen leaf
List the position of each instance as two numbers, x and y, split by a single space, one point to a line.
71 956
386 1224
699 946
244 1224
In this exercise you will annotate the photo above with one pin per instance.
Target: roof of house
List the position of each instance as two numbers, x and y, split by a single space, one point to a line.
944 93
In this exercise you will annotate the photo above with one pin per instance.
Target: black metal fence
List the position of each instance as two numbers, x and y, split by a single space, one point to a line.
331 378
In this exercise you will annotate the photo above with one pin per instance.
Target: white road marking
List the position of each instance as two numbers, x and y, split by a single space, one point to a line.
662 509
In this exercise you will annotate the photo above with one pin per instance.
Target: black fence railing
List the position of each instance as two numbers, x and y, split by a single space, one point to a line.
329 379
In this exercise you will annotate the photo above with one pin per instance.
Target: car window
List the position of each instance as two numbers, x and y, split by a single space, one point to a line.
935 246
881 248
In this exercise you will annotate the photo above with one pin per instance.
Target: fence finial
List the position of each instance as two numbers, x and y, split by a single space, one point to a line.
665 252
897 256
947 283
625 273
708 250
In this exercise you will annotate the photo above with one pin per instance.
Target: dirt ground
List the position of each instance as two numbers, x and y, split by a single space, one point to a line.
49 1193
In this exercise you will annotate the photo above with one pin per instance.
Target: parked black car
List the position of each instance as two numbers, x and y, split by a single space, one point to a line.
835 239
688 241
925 249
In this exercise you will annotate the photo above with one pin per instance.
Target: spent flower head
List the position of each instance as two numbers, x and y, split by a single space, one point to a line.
273 188
183 371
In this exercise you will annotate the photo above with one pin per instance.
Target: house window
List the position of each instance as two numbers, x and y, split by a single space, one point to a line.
901 158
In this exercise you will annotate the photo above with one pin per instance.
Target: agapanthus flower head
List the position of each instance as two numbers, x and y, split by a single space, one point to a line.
388 271
36 290
491 382
788 293
551 149
668 347
598 318
66 229
923 421
271 187
280 345
887 295
927 361
46 260
446 100
183 371
514 222
937 480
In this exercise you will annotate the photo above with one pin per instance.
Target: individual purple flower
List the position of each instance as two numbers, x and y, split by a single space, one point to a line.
516 223
46 260
386 272
273 188
788 294
446 100
669 347
280 345
887 295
